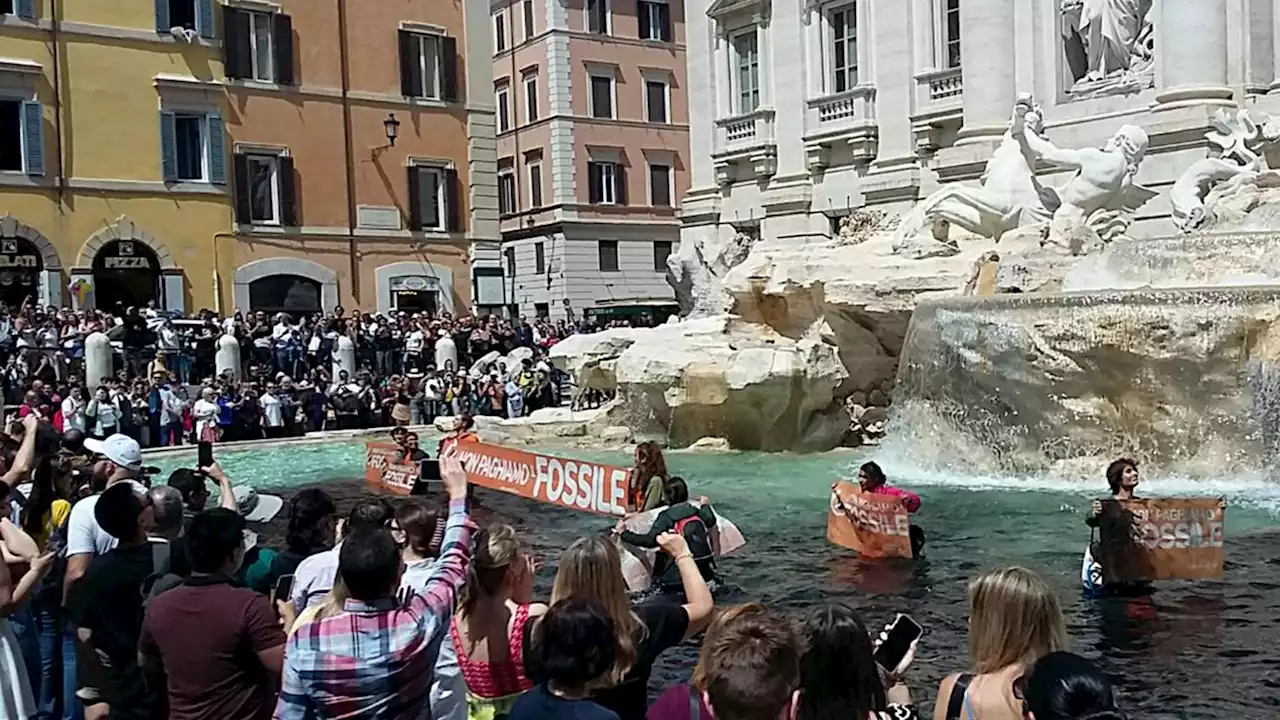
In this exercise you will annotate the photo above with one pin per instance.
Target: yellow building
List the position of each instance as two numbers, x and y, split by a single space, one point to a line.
114 183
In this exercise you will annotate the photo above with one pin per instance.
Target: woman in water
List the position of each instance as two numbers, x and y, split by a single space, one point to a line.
591 568
872 480
1014 620
695 523
647 478
1063 686
1122 477
839 673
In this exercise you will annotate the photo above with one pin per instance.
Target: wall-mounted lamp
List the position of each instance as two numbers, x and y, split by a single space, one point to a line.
392 127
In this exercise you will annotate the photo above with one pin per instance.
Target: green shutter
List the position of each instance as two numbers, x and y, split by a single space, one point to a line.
162 17
217 150
33 137
204 18
169 147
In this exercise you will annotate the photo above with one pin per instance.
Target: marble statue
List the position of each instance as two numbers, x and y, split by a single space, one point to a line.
1009 197
697 268
1236 163
1097 203
1108 44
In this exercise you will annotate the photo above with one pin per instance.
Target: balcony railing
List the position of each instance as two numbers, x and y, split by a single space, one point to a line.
743 132
939 92
849 111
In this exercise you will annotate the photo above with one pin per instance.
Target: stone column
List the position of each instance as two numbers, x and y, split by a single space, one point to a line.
988 61
227 358
721 57
98 356
1191 43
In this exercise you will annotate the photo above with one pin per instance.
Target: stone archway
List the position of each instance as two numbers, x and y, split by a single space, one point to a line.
415 276
172 290
249 273
50 289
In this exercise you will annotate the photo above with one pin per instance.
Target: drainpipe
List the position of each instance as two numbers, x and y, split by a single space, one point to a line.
217 274
56 10
348 148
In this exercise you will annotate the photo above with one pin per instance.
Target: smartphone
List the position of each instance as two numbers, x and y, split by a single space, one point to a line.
284 586
902 633
204 454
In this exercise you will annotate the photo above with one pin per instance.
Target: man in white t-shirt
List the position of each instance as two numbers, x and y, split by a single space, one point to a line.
119 459
413 344
272 412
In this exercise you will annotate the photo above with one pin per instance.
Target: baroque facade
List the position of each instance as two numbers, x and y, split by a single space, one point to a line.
804 112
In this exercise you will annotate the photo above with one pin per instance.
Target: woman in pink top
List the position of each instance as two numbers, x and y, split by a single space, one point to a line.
872 480
488 631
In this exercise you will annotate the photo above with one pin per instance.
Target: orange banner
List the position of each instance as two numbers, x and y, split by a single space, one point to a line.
384 471
876 526
1162 539
573 484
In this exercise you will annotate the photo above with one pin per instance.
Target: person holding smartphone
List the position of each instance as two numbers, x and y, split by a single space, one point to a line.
843 669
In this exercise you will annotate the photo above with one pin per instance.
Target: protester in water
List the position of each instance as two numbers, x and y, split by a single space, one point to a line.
696 523
1014 620
463 431
839 673
591 568
1065 686
872 480
1122 478
647 478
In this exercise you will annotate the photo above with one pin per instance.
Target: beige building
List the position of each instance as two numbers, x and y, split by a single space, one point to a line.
592 126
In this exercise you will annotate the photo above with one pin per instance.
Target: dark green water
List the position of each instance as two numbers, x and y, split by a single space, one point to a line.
1203 650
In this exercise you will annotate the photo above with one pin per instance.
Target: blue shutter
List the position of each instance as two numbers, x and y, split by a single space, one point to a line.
27 9
162 17
168 147
217 150
33 134
204 18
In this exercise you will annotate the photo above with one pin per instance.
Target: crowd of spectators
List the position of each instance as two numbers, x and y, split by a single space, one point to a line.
141 603
165 388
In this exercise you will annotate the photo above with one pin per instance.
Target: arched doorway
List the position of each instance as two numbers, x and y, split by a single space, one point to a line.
126 273
20 267
291 294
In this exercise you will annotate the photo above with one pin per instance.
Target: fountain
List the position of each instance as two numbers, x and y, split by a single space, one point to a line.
1040 333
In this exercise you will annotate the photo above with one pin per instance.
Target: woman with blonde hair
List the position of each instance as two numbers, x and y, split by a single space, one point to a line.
1014 620
679 702
591 568
489 628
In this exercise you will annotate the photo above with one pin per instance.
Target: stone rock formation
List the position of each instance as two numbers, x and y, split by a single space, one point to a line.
1221 191
696 271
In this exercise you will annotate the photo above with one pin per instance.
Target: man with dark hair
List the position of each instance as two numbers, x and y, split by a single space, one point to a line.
753 669
106 608
118 459
314 576
375 658
220 646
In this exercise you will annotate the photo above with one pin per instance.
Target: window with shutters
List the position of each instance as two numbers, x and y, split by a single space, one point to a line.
530 97
656 93
660 185
506 192
528 19
428 66
195 16
430 198
601 95
499 31
605 183
503 98
264 189
11 156
539 258
661 251
257 45
608 255
598 20
535 182
655 20
190 146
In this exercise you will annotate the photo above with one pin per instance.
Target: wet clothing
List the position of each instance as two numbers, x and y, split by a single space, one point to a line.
682 517
910 500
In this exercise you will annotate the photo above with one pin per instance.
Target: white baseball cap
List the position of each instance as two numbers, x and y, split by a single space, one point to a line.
119 449
255 507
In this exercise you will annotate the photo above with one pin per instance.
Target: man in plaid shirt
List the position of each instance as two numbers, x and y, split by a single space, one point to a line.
375 659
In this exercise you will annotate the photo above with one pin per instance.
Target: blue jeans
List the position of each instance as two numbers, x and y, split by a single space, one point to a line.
27 631
171 434
56 697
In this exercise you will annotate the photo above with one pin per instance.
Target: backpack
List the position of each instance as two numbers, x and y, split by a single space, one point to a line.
696 536
161 578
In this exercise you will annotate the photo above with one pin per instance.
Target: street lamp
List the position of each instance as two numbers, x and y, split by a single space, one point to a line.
392 127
